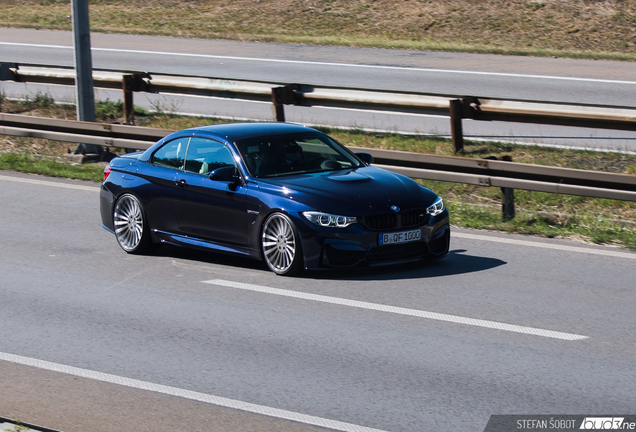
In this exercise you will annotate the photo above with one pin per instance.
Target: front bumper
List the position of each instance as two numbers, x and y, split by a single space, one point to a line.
360 248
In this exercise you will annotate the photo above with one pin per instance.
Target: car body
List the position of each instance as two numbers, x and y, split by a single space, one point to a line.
282 193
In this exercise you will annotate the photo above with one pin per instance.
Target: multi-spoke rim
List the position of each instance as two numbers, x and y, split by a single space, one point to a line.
279 243
129 222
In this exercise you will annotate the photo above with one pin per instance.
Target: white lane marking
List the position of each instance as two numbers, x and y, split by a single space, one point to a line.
316 63
529 243
398 310
49 183
187 394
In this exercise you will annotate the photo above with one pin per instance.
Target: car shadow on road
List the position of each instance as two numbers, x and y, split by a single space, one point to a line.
210 257
456 262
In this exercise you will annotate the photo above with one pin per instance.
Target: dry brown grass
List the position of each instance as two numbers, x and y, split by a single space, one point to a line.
577 28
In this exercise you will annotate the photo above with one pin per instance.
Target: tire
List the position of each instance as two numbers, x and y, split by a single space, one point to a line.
131 226
281 246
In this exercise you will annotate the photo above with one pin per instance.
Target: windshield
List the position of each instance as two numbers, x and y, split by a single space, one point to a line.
294 154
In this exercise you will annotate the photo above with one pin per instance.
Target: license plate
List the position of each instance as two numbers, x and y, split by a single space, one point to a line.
400 237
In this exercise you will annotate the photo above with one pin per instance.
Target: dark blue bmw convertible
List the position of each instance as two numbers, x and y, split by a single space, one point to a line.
285 194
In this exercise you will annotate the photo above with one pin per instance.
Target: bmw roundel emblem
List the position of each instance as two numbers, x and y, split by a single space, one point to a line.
395 208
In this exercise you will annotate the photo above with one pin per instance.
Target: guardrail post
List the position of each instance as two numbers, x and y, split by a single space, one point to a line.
6 74
507 198
457 134
277 100
282 96
132 83
508 203
127 87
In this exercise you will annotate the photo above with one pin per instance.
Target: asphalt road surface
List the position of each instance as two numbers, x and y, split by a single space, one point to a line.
547 79
93 339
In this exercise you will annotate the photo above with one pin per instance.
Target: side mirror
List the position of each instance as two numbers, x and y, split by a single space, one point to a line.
226 173
365 157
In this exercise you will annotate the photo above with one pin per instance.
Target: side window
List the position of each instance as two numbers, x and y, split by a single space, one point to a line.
172 154
204 156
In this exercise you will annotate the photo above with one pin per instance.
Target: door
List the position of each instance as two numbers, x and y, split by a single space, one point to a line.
160 173
213 210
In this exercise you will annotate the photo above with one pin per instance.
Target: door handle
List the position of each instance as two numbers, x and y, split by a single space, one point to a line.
181 183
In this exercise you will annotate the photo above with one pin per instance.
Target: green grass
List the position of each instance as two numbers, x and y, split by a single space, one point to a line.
19 427
39 100
112 111
28 163
578 226
592 220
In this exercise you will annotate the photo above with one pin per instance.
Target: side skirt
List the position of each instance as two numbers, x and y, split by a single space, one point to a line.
181 240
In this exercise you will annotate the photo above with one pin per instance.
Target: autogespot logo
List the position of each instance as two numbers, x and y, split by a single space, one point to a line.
602 423
560 422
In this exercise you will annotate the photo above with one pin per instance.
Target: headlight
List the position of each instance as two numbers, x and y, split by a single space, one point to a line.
329 220
436 208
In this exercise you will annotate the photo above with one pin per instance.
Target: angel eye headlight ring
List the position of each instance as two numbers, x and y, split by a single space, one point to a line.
329 220
436 208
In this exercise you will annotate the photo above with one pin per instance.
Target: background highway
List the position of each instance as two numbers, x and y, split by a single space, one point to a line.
549 79
557 334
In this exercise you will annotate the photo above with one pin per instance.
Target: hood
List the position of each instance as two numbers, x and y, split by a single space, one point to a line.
361 191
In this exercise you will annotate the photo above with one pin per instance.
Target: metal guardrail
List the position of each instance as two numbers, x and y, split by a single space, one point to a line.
503 174
103 134
482 172
281 94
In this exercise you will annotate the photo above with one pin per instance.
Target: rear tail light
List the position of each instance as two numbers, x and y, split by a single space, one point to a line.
106 171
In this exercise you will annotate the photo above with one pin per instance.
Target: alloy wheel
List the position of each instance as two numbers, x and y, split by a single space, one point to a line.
281 248
129 223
